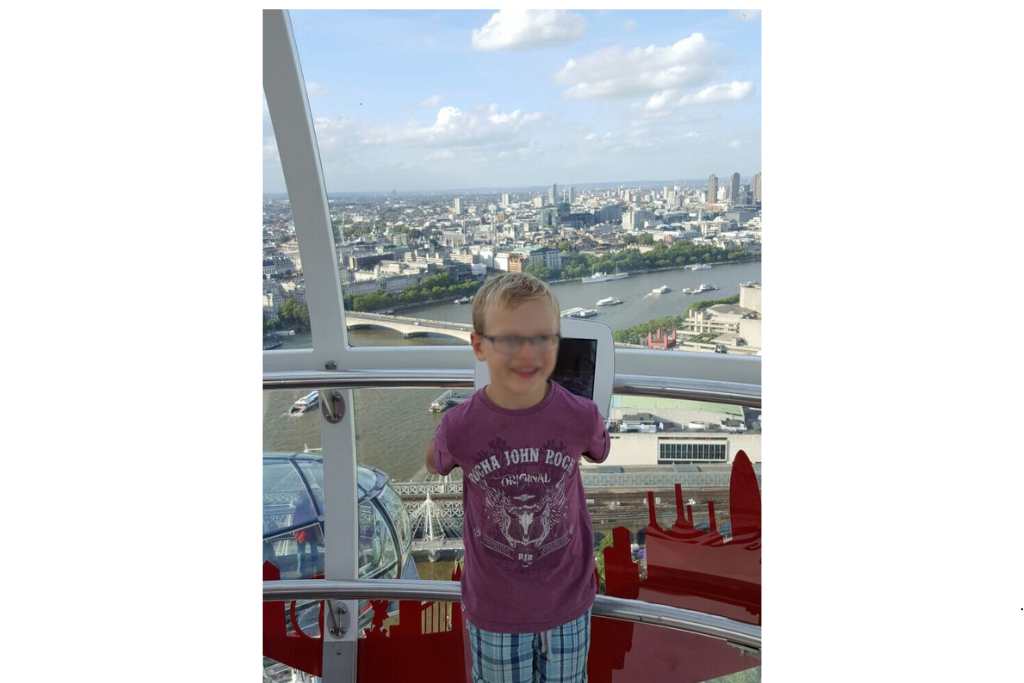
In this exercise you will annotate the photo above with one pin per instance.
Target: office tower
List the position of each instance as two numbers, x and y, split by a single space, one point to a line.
549 217
553 194
757 188
734 189
712 188
505 202
572 194
538 202
457 206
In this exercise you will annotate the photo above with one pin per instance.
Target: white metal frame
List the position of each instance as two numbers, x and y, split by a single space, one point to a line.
292 121
285 91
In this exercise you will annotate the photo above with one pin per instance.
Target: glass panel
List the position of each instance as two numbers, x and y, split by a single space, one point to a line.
389 554
703 552
292 530
377 552
286 502
314 473
285 316
371 545
400 132
298 554
399 517
423 526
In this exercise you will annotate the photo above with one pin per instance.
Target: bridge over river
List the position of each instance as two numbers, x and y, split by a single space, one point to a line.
409 327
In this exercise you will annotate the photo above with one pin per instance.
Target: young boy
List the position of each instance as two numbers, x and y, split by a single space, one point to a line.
528 582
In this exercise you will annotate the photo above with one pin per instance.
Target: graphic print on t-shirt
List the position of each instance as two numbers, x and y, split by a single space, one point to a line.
525 494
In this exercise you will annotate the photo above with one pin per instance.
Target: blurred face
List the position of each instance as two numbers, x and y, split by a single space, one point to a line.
519 367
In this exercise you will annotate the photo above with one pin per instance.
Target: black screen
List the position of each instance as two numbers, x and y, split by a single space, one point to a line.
576 366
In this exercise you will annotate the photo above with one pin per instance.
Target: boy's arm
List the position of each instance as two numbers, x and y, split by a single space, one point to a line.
430 458
439 458
599 443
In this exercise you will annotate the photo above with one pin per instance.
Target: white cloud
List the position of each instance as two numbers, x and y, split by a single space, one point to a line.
735 144
659 100
453 127
614 72
692 134
723 92
431 102
314 89
515 118
630 25
516 28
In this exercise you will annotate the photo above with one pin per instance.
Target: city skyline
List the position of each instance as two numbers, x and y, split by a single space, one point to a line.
540 189
438 101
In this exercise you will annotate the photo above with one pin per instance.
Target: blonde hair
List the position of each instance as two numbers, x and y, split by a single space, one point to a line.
509 290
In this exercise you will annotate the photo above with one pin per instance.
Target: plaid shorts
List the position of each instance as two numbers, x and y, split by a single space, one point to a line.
558 655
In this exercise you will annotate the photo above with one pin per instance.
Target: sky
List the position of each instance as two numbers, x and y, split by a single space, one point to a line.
442 100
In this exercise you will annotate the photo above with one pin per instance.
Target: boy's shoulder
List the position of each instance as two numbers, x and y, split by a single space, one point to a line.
454 418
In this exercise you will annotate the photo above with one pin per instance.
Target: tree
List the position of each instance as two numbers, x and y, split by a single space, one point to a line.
294 314
538 270
646 238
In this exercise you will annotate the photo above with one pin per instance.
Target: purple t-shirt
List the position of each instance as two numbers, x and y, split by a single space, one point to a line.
529 562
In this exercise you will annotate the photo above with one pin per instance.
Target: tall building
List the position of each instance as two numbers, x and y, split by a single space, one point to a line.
712 188
457 206
505 201
516 262
734 189
572 194
634 219
548 217
553 194
757 188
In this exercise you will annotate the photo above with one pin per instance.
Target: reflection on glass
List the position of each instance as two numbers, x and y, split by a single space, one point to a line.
389 553
286 503
299 553
370 544
314 473
396 511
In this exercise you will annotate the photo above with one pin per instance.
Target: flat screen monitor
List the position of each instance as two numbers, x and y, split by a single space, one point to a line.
576 366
